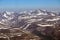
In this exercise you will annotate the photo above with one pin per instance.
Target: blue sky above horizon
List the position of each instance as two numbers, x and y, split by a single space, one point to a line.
29 3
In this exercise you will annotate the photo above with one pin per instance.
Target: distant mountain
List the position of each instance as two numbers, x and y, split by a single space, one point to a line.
39 22
13 18
38 12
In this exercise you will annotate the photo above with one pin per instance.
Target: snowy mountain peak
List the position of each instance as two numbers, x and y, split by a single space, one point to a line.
9 13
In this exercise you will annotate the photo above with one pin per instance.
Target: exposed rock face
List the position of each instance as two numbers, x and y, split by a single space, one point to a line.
57 32
17 34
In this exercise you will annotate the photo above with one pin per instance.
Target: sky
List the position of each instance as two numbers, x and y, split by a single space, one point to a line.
29 4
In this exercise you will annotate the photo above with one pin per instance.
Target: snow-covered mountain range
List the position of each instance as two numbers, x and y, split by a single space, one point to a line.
29 16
